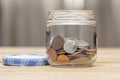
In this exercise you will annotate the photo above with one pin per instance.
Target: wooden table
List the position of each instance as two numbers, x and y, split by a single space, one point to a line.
107 67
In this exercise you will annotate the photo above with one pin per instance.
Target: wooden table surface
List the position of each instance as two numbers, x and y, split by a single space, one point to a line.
107 67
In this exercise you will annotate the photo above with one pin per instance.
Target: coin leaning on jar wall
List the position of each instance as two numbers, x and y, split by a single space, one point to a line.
52 54
57 43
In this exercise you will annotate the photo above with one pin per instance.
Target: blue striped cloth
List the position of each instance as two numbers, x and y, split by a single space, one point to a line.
25 59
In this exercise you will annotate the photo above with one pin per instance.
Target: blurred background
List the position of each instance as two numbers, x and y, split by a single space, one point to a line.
23 22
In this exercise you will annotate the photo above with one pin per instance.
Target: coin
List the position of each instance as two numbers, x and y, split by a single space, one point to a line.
83 51
70 46
61 51
63 58
91 51
52 53
75 56
57 42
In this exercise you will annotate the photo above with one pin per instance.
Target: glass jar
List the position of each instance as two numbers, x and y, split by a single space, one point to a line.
71 38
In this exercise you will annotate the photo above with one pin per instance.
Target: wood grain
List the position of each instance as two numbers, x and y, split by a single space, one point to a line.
107 67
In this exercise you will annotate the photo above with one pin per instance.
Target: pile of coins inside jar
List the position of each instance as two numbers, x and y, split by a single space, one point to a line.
69 50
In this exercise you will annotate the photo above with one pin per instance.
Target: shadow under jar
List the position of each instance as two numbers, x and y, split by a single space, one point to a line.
71 38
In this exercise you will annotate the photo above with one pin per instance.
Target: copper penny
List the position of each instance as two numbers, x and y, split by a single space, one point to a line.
63 58
57 42
52 53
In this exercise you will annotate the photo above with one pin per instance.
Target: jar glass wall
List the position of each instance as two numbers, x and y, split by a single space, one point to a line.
71 38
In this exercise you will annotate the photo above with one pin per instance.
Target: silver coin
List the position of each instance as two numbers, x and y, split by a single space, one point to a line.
70 46
82 43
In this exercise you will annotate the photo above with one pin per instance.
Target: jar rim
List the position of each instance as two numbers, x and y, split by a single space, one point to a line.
72 17
71 14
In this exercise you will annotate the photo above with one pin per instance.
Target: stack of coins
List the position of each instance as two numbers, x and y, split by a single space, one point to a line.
70 50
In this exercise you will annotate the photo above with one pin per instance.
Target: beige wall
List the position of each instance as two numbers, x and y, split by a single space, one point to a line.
23 21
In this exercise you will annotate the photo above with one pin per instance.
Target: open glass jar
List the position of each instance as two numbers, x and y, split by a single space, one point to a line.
71 38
